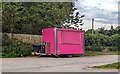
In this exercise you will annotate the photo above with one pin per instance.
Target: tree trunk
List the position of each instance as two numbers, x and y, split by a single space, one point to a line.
11 30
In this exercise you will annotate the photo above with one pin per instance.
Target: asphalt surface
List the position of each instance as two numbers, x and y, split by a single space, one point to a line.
52 64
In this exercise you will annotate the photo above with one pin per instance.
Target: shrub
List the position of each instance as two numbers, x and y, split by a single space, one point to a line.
97 40
115 40
101 48
113 48
98 48
17 49
94 48
5 40
88 48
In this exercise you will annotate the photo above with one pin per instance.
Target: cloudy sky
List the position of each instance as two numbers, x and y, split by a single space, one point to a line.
104 12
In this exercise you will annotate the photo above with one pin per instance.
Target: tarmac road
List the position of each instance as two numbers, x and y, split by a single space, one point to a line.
51 64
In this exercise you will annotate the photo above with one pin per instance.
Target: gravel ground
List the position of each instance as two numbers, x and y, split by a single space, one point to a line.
51 64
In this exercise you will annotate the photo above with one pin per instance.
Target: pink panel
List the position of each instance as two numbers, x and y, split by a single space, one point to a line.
48 36
70 42
70 37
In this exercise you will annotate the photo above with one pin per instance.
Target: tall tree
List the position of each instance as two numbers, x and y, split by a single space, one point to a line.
12 14
75 20
31 17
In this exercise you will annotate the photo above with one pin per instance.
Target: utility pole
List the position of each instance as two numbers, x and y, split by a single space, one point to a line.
92 25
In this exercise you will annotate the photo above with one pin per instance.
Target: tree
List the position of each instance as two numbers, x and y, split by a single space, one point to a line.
110 32
117 29
97 40
88 40
101 30
12 16
32 17
89 31
74 20
46 15
115 40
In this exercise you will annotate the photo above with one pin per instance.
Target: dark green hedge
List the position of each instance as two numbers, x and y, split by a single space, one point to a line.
98 42
101 48
15 48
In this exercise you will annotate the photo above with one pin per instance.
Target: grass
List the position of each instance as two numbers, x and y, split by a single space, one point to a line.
115 65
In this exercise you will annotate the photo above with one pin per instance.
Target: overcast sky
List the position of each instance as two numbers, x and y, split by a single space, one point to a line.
104 12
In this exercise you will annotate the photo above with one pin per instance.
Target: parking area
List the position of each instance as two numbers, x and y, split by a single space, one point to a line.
52 64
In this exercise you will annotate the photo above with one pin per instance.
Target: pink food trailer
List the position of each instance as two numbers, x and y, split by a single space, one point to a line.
61 41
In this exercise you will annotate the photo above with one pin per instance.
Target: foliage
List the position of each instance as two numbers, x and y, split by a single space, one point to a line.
94 53
31 17
16 49
110 32
12 15
5 40
113 48
102 39
101 48
98 40
94 48
75 20
115 40
89 31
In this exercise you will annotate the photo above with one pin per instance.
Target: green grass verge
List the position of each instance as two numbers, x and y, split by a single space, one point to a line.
115 65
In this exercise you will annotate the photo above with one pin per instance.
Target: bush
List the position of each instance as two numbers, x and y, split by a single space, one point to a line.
17 49
98 40
115 40
101 48
5 40
98 48
88 48
94 48
113 48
